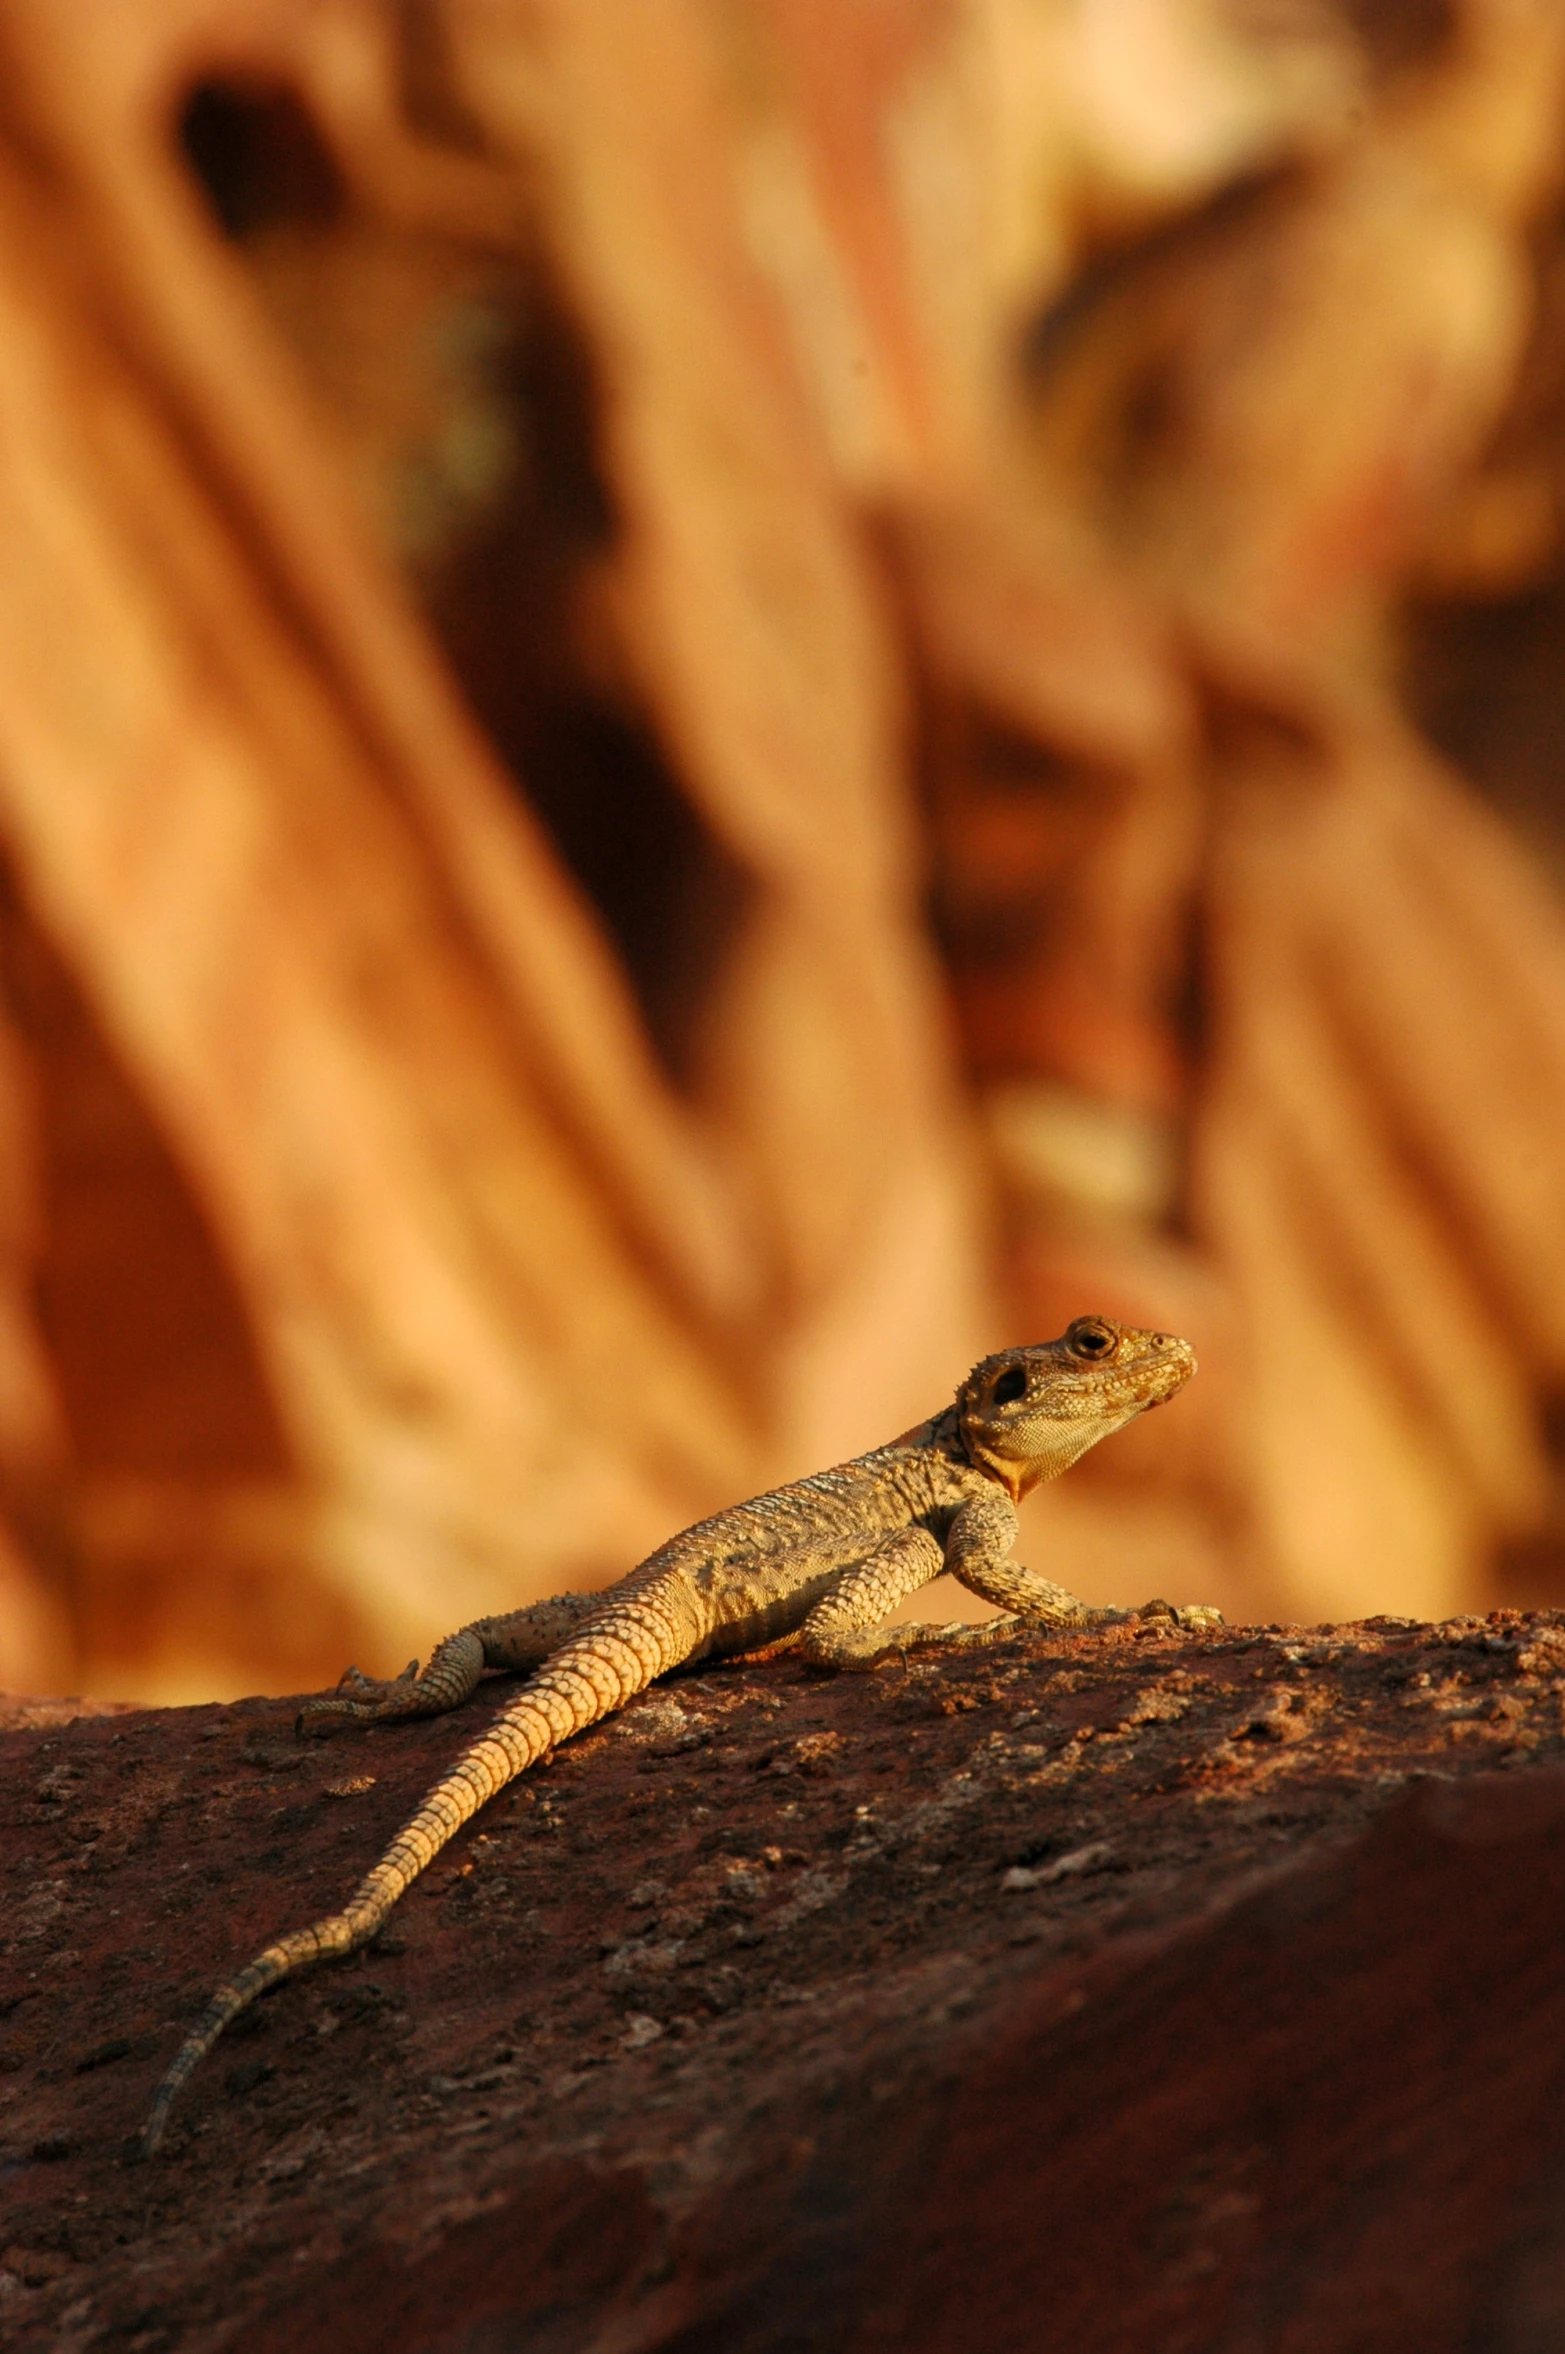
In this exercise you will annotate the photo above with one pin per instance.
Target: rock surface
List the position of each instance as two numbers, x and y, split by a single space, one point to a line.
1142 1992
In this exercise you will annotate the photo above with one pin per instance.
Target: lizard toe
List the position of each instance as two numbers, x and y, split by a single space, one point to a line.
316 1713
1191 1615
378 1703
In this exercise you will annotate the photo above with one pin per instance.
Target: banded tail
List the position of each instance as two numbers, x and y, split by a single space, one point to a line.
585 1680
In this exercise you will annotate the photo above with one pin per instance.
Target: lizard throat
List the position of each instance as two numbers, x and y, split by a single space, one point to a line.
1017 1479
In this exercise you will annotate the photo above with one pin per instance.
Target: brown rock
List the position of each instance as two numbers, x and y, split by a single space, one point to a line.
1065 2004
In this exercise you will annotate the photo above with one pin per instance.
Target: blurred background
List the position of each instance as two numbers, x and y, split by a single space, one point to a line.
706 705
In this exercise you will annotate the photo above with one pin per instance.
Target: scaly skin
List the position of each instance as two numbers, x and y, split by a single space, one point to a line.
822 1561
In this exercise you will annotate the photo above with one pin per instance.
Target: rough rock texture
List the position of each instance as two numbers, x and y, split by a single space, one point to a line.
1105 1993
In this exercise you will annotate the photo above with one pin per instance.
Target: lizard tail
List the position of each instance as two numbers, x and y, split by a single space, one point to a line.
513 1742
585 1680
331 1936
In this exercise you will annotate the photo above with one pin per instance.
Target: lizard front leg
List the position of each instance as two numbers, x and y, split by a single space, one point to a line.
520 1640
978 1555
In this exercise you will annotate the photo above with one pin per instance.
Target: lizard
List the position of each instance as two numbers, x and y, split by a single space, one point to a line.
819 1563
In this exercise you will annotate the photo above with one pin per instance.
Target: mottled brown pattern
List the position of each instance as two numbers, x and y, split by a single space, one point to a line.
822 1560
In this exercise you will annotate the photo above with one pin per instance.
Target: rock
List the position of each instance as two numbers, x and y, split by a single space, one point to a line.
1095 1858
1219 2041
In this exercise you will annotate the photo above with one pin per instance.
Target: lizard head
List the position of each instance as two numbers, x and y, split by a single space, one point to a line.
1027 1414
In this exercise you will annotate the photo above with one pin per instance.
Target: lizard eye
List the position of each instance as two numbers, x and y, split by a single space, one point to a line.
1010 1386
1091 1338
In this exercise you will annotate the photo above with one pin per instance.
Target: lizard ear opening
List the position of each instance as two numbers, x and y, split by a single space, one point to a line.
1011 1385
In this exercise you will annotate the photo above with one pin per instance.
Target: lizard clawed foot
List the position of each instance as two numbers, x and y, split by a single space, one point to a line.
964 1635
861 1654
353 1679
1193 1616
961 1634
921 1635
364 1700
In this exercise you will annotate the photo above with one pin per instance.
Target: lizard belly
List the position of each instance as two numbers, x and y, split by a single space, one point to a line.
763 1567
758 1620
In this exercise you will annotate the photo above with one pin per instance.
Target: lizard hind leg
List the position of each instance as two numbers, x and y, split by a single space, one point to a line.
846 1629
450 1678
519 1640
